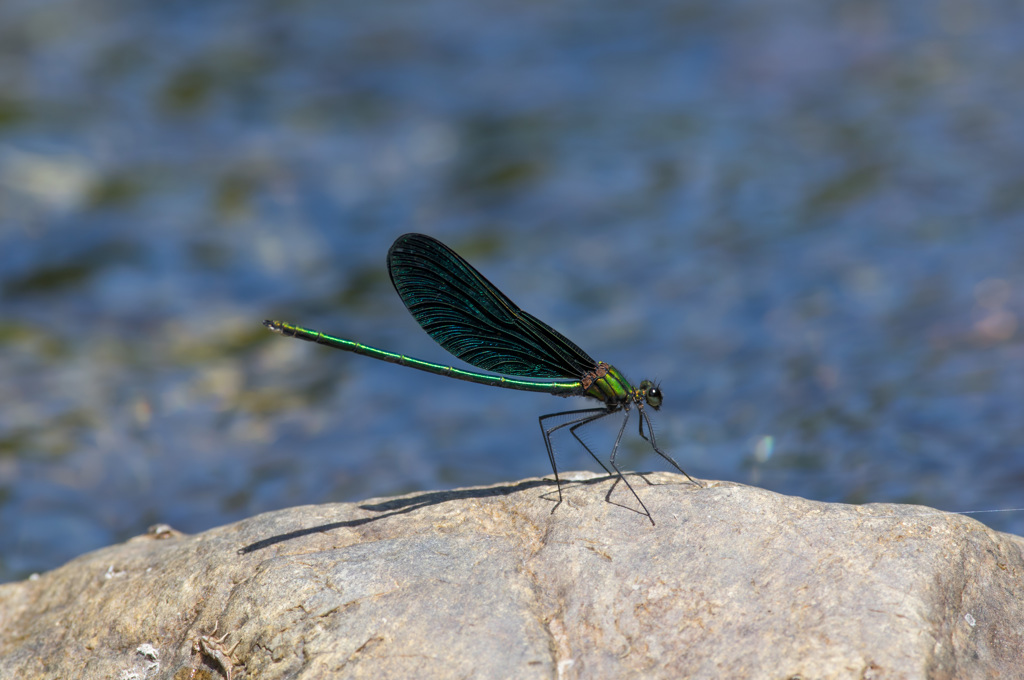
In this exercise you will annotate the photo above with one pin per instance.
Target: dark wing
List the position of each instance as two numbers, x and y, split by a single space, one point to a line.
472 319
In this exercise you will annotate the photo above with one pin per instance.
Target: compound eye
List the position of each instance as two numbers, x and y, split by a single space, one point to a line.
653 397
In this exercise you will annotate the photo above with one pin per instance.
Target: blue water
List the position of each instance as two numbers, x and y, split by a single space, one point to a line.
806 219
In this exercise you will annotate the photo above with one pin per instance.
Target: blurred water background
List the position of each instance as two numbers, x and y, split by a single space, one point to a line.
804 217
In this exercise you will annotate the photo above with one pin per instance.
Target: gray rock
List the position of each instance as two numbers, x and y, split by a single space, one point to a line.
733 582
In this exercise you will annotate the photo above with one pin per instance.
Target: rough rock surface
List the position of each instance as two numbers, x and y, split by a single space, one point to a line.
733 582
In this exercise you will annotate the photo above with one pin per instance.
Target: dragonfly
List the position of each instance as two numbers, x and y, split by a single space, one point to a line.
477 323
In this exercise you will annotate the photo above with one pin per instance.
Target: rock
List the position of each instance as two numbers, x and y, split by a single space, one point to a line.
733 582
